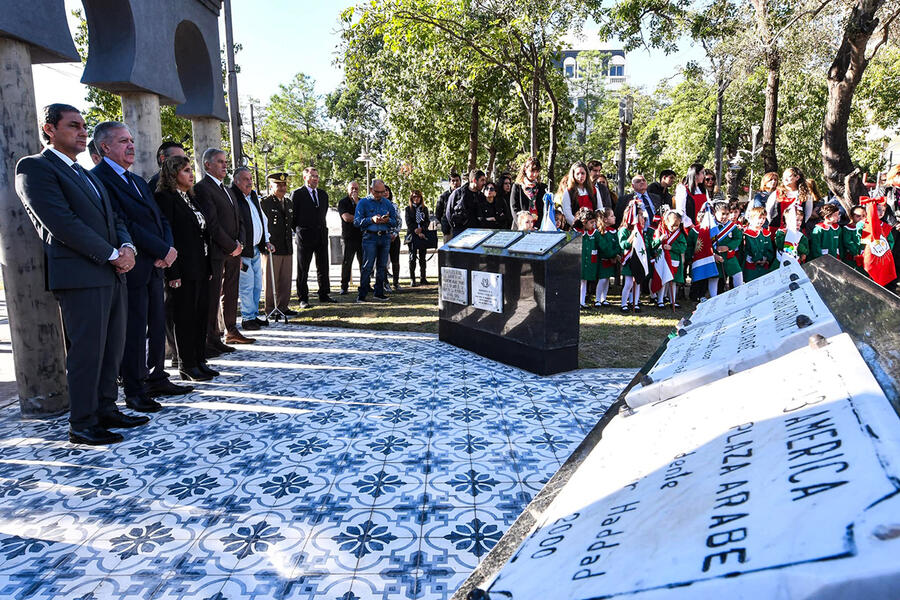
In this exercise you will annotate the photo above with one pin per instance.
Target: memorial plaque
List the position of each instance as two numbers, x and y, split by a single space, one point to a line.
736 342
487 291
470 238
750 293
537 242
454 285
502 239
778 482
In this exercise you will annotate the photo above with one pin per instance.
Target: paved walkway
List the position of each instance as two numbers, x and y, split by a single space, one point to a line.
324 463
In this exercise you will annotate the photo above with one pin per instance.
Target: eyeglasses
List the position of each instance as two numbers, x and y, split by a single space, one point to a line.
709 178
490 189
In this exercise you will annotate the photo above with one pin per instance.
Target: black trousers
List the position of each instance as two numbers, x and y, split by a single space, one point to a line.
94 321
352 249
421 253
145 335
395 260
190 304
223 287
305 256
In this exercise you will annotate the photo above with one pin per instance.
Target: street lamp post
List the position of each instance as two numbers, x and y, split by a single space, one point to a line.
365 158
266 149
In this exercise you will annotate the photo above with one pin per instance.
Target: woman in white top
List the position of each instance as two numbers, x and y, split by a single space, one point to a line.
575 192
793 188
689 202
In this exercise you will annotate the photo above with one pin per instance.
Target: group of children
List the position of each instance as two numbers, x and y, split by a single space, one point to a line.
726 246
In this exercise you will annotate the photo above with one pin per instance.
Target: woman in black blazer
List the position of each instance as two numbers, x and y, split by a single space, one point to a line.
528 192
187 280
416 226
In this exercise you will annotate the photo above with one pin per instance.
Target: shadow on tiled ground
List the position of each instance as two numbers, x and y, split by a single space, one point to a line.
323 463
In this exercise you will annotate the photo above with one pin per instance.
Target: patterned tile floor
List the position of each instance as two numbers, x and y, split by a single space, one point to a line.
324 463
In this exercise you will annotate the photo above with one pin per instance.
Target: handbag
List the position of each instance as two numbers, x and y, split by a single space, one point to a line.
429 241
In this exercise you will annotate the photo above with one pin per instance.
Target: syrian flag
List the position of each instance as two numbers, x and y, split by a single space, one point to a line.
878 261
663 270
636 258
549 221
704 262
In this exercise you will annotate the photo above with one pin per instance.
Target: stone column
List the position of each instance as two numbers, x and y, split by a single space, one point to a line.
207 134
34 319
140 111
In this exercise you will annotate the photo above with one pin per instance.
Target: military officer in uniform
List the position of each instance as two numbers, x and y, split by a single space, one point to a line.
280 214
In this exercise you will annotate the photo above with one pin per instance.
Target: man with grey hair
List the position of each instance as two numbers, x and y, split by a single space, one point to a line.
376 217
256 240
226 230
145 333
650 202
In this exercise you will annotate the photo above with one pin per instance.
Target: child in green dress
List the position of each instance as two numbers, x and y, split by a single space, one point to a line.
727 242
635 248
792 241
670 244
608 252
586 222
851 242
758 250
826 236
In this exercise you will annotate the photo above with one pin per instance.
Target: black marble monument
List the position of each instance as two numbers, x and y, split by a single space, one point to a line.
512 297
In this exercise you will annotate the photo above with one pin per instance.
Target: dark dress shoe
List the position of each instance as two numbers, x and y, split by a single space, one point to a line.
327 299
143 404
343 292
290 313
222 347
304 304
194 374
250 325
211 352
119 420
94 436
168 388
205 368
262 322
236 337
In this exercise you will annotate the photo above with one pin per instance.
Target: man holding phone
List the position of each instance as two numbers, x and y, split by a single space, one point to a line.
375 216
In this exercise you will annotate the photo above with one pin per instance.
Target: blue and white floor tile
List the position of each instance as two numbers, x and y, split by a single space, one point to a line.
323 464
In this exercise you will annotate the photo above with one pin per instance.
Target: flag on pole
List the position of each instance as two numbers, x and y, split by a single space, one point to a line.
663 271
549 221
878 261
703 265
636 257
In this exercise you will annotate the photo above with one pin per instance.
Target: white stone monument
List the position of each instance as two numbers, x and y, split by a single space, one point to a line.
778 482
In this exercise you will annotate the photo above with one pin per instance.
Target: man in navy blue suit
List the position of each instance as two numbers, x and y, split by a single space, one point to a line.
87 251
146 327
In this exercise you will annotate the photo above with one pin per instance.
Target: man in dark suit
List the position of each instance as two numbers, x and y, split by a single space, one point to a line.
226 230
661 188
651 202
256 241
310 207
87 251
146 329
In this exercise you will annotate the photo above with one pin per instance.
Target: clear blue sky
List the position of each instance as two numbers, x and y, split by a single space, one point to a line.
281 38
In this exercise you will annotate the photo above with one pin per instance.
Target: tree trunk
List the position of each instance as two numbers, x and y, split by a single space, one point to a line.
554 134
844 75
720 101
492 161
733 180
473 136
770 120
534 111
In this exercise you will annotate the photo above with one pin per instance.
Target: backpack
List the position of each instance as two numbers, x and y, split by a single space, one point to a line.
456 208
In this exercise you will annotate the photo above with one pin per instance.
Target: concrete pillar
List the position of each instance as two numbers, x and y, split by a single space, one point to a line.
34 319
207 134
140 111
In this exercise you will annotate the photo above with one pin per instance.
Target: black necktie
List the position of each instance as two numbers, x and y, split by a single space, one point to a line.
77 168
227 195
129 177
315 198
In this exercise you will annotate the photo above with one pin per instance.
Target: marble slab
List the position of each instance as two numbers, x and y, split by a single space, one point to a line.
536 242
454 285
487 291
736 342
778 482
470 238
748 294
